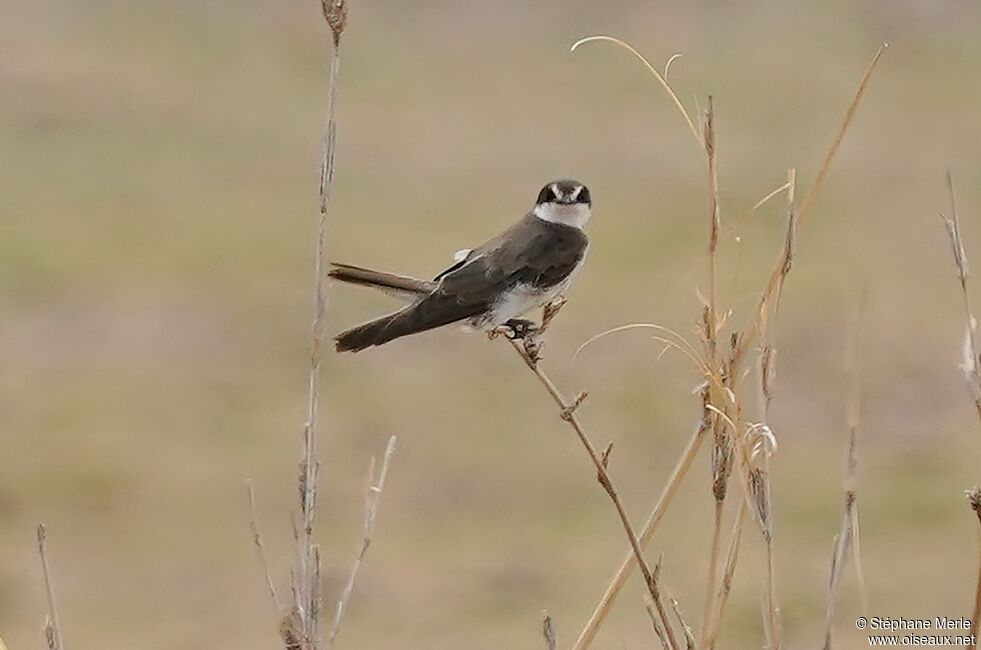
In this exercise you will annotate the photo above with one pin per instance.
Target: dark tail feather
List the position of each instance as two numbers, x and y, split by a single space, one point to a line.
400 285
364 336
428 313
380 331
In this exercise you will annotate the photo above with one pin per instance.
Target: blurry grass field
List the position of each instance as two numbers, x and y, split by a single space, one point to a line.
159 168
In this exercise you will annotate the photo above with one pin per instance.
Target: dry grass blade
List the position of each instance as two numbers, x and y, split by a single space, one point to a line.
657 75
676 342
260 548
301 624
567 411
969 356
655 623
746 337
848 534
842 541
548 632
373 491
602 609
690 642
52 626
974 499
728 571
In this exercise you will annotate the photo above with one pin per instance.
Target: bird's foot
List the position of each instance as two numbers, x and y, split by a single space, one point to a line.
519 329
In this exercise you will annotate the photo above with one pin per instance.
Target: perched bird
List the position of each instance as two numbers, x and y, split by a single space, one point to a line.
524 268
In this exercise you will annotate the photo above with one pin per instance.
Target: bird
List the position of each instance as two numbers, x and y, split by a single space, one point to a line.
525 267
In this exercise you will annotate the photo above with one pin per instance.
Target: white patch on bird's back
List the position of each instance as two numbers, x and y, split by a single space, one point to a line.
574 214
462 254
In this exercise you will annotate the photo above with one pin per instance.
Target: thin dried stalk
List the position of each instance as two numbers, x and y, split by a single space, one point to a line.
658 629
568 413
548 632
260 547
974 498
619 579
969 357
777 272
654 72
714 228
372 495
729 570
307 601
52 626
742 341
848 534
690 643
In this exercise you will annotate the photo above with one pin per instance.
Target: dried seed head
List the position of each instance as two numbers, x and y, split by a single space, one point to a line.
335 12
722 458
290 629
974 498
760 491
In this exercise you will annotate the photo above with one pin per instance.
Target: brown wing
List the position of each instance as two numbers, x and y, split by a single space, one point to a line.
532 252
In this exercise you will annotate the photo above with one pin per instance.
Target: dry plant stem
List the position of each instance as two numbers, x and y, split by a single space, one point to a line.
260 548
712 572
52 625
746 336
548 632
690 642
725 586
602 609
373 491
658 629
974 498
744 339
847 536
710 333
969 361
567 412
307 577
714 227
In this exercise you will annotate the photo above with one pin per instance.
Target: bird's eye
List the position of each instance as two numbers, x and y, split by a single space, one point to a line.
583 195
546 195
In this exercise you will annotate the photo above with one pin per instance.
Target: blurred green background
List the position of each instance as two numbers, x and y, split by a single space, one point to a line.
158 168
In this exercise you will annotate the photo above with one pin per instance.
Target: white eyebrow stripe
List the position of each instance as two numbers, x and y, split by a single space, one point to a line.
575 195
556 194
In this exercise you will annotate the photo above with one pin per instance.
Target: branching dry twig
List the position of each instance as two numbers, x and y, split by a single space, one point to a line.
307 603
372 495
567 411
720 381
52 626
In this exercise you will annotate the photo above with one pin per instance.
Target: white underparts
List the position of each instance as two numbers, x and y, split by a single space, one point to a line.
574 214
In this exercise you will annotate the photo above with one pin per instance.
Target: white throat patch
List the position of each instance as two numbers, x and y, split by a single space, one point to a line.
575 215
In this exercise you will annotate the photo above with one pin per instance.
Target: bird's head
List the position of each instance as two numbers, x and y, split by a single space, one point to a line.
564 201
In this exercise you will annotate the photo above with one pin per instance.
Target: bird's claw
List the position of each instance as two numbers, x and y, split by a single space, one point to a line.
519 329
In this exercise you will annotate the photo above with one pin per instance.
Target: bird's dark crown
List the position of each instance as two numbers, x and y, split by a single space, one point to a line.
564 191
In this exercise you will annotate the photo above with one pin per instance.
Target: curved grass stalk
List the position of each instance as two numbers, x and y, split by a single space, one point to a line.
657 75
